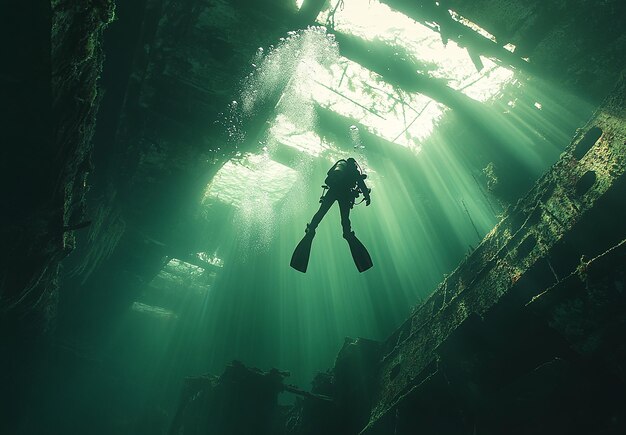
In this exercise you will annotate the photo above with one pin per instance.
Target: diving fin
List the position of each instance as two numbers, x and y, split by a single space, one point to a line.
300 257
361 257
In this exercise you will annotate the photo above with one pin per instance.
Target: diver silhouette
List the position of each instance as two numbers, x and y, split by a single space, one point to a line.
344 183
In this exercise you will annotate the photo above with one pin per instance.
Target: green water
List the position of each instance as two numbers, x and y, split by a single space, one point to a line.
431 206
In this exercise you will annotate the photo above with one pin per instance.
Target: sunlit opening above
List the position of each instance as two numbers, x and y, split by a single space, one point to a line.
510 47
371 20
359 94
249 178
212 260
152 311
475 27
179 275
182 268
285 132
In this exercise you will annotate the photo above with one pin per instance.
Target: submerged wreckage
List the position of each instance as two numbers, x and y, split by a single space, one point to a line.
525 336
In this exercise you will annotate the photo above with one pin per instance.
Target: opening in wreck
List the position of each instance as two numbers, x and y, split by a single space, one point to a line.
188 152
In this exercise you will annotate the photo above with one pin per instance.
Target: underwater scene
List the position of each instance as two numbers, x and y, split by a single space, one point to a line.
298 217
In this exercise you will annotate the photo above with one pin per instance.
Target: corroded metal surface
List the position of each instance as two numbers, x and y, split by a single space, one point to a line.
516 258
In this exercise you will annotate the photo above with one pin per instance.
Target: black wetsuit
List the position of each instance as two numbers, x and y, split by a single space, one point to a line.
343 181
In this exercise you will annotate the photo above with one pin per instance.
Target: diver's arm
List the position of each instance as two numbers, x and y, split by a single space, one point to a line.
364 190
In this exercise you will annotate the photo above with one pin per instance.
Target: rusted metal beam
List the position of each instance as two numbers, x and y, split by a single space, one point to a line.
436 16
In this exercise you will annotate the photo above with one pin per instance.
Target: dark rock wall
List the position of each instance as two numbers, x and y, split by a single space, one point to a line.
173 133
49 85
53 101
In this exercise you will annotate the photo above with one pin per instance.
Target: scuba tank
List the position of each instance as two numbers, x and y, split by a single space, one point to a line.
340 176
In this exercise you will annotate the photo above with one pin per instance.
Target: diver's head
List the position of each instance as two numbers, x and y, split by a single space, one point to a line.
351 161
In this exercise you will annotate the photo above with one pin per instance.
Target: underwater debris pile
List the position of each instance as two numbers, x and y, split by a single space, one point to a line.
241 400
244 400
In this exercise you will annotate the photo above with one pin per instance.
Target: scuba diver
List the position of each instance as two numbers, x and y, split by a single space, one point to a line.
344 183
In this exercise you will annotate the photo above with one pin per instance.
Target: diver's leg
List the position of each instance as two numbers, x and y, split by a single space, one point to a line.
361 257
327 202
344 210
